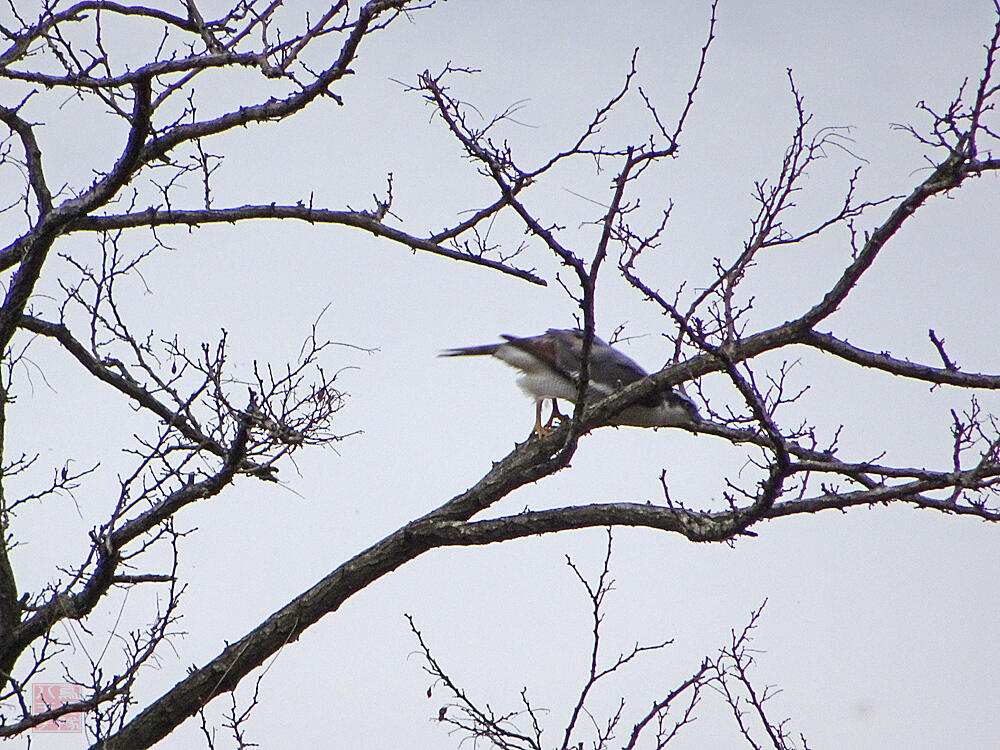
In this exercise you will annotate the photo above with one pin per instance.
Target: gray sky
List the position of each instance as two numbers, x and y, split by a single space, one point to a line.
880 625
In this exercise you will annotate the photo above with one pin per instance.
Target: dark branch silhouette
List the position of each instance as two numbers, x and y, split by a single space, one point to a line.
211 423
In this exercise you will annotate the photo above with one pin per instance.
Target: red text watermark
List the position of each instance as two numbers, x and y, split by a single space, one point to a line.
48 695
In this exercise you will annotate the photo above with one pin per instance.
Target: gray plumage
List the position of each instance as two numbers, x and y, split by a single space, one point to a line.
550 369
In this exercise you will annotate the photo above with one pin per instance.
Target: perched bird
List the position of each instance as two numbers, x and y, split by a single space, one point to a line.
550 369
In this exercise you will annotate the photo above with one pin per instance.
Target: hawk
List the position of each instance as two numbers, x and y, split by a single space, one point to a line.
550 369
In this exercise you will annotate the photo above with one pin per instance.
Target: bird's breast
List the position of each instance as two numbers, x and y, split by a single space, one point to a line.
547 385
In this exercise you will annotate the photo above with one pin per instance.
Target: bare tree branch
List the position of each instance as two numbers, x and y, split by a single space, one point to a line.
208 421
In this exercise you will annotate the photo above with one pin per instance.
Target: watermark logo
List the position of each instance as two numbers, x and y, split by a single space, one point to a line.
48 695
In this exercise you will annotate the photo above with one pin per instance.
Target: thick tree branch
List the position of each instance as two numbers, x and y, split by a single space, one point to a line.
154 217
447 527
528 463
948 175
32 158
146 72
880 361
34 248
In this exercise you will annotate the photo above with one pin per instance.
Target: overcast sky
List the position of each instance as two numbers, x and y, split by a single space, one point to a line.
881 624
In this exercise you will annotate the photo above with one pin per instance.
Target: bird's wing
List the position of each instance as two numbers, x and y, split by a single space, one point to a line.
609 368
534 354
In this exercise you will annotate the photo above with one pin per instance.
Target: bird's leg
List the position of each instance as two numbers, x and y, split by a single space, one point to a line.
555 413
541 430
538 430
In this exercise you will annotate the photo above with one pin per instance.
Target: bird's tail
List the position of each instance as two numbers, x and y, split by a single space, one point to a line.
471 351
